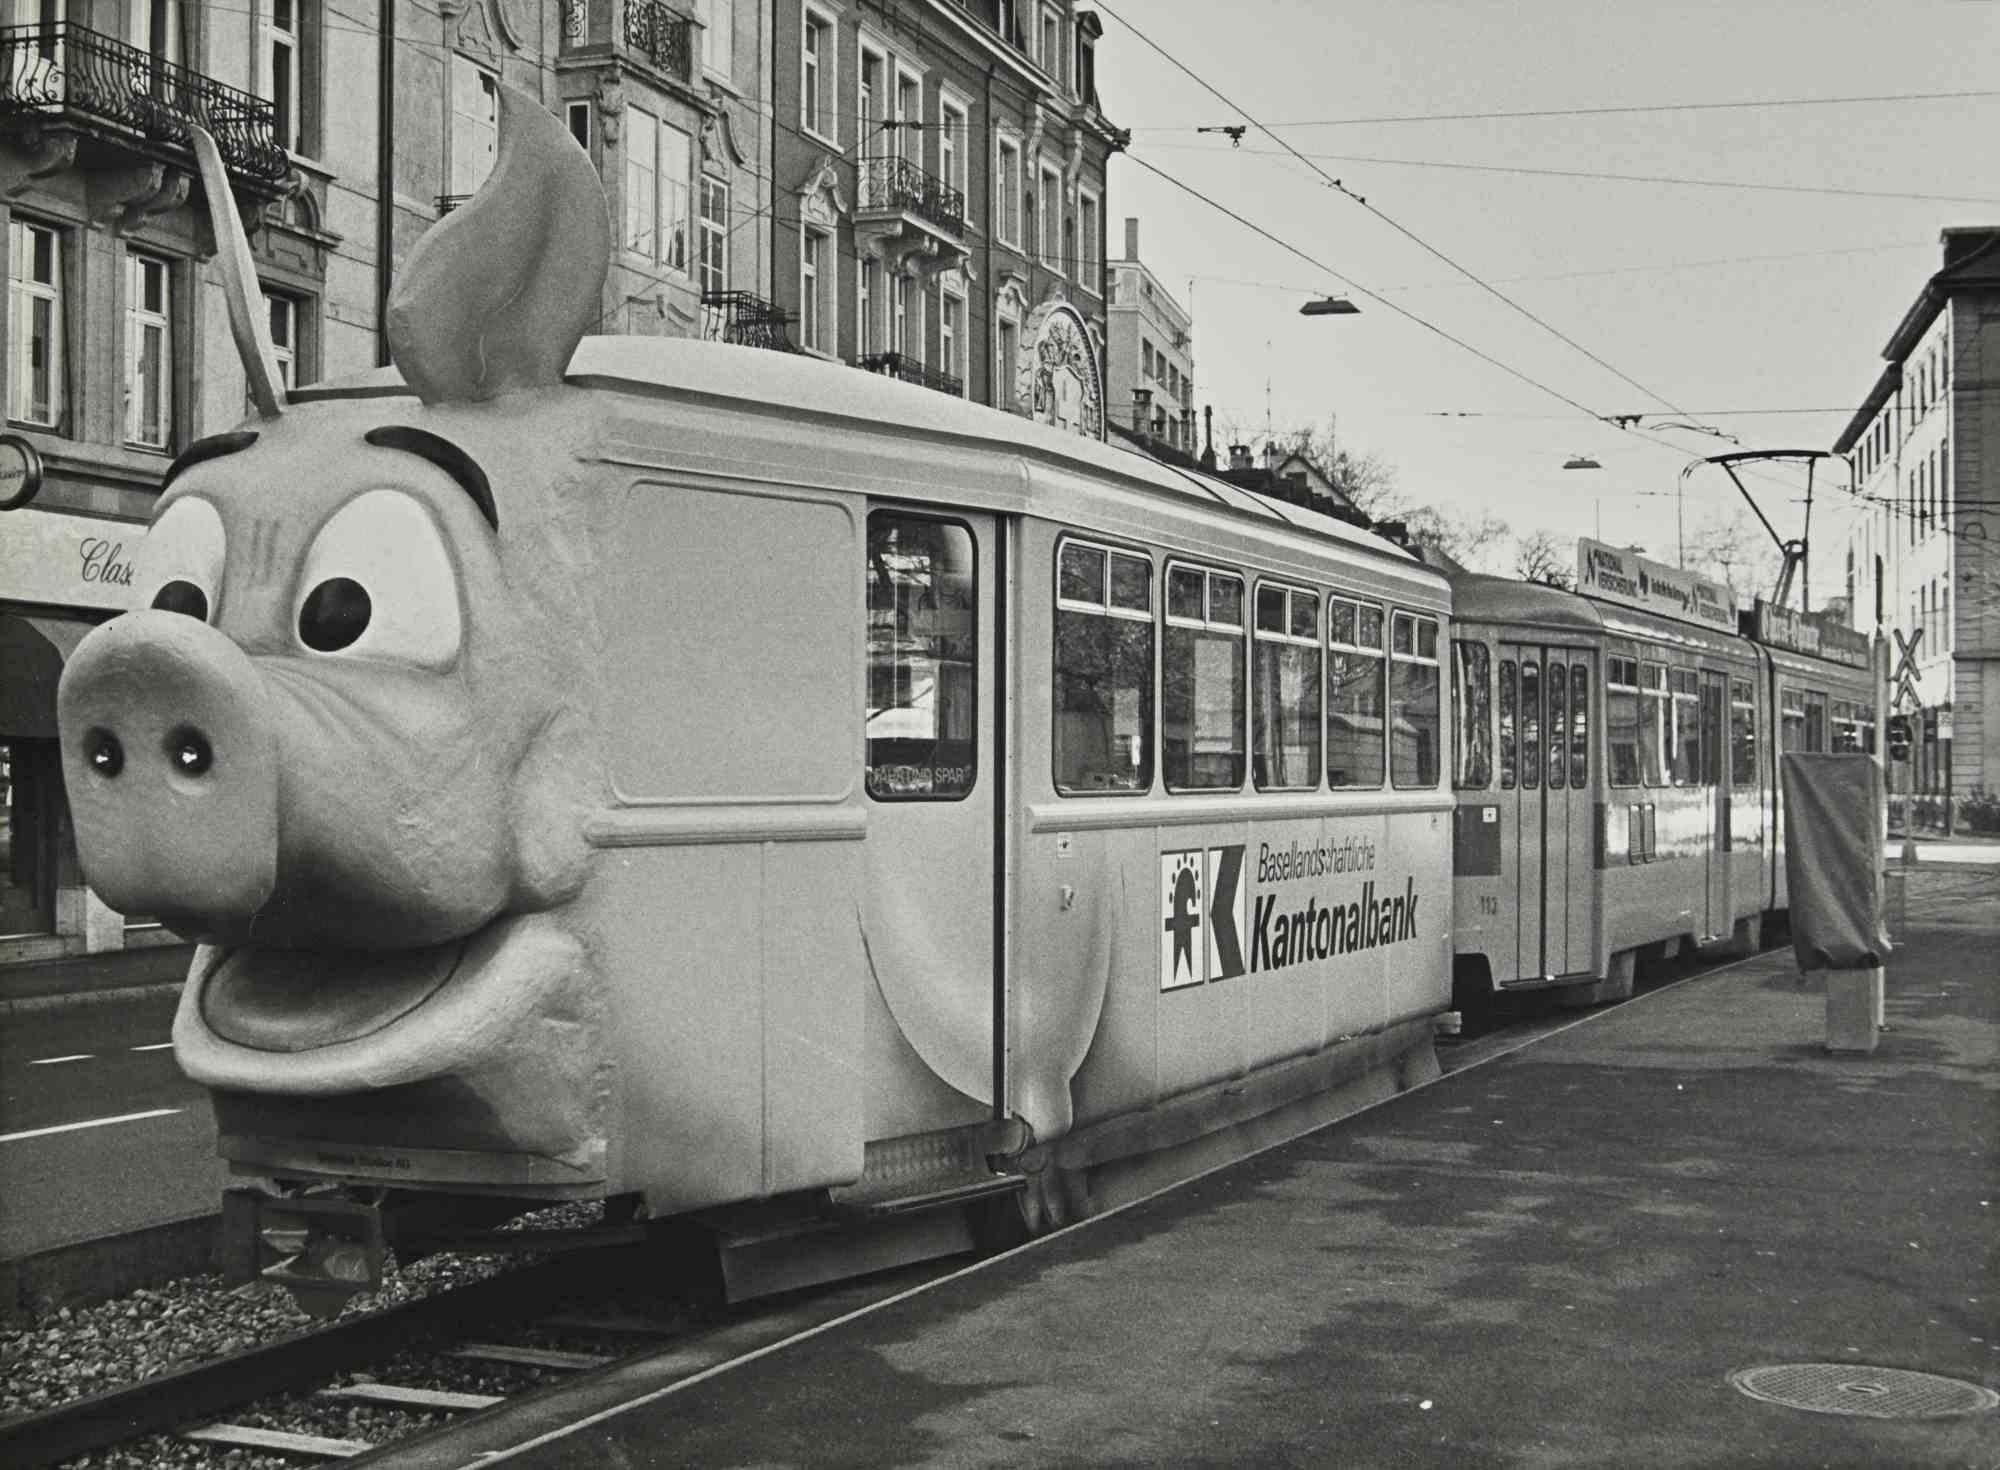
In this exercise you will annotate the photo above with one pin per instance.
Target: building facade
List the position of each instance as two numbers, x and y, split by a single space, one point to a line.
1150 352
937 174
346 133
1919 563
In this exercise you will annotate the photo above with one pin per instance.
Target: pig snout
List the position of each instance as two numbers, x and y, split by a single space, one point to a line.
170 761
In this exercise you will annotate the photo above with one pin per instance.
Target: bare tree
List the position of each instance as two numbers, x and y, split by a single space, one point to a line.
1734 549
1538 558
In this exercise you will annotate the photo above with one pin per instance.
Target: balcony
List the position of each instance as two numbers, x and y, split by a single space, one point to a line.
746 319
910 220
910 370
896 185
102 87
643 30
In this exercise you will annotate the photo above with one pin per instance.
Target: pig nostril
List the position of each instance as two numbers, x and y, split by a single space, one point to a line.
188 751
105 755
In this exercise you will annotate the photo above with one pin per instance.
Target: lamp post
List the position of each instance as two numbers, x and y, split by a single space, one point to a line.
1585 462
1330 306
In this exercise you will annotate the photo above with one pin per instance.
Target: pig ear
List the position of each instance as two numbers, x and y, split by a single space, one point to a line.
497 294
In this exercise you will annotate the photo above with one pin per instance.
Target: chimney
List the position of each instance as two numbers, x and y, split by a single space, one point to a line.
1208 448
1131 239
1142 399
1239 456
1270 458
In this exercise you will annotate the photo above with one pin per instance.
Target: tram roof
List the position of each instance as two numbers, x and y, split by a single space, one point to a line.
833 393
1480 598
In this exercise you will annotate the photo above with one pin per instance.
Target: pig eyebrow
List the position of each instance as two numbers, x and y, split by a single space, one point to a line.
213 447
447 456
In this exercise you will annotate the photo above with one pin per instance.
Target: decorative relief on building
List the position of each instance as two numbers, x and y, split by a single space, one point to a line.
1058 380
820 201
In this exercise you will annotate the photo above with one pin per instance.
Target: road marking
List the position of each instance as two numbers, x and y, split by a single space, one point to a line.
89 1123
156 1046
81 1056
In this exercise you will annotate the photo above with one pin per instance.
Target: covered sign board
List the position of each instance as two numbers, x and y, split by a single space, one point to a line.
67 560
1611 574
1817 634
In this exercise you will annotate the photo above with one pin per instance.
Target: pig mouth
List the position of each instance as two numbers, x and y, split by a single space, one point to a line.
289 1000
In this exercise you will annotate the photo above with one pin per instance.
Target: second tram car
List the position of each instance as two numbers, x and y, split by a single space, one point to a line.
1615 764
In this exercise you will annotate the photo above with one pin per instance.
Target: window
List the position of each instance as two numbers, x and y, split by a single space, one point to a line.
578 115
951 136
1558 676
1286 737
814 247
157 31
1006 359
1066 263
906 325
1086 70
1509 698
1656 725
1472 694
1051 204
718 35
1087 235
1356 693
282 34
1685 746
1579 725
951 339
1742 734
35 359
868 305
1815 730
1201 681
1622 726
1103 670
475 125
149 351
1531 725
870 133
923 658
910 119
1413 701
676 153
1051 53
816 76
284 316
1791 721
714 235
1009 186
642 151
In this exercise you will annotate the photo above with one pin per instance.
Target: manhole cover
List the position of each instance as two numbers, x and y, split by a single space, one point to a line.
1854 1388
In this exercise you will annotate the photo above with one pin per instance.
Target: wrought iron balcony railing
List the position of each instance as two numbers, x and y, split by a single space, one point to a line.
746 319
63 68
659 35
897 183
910 370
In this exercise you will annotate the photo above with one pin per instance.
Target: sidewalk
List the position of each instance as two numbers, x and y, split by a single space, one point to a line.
1553 1260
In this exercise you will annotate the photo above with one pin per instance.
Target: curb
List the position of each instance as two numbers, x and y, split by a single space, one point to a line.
90 1271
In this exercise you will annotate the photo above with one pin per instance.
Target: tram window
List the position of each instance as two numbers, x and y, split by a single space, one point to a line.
1413 702
1579 725
1791 721
1656 725
1685 758
1287 732
1815 721
923 658
1621 718
1531 725
1846 725
1103 685
1558 724
1742 734
1201 684
1507 699
1356 693
1472 696
1867 716
1711 729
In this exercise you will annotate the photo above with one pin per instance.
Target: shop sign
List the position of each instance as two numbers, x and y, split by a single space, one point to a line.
68 561
20 471
1611 574
1814 634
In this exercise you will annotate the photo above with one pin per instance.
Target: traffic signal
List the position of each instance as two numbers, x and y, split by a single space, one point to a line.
1899 737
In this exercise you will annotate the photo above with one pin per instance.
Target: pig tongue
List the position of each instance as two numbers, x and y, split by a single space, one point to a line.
295 1000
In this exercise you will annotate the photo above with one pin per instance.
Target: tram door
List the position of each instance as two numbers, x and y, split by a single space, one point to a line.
1715 773
1552 848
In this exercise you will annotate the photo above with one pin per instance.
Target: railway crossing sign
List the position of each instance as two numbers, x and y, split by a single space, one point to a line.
1905 677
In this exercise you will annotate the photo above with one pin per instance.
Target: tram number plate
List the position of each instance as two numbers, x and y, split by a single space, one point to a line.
1488 904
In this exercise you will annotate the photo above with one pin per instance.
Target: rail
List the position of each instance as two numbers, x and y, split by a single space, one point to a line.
60 67
911 370
897 183
746 319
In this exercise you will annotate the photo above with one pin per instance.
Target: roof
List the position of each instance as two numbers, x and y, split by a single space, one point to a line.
1479 598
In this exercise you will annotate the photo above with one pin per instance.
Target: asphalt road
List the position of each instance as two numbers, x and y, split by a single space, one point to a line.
99 1131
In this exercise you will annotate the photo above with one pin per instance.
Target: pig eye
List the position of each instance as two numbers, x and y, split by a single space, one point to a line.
181 559
378 583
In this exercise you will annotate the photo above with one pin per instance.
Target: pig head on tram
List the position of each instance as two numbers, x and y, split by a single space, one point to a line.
347 744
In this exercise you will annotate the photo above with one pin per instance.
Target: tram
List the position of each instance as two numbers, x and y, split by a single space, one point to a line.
1615 766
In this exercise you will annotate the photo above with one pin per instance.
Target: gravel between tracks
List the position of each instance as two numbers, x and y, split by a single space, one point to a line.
72 1352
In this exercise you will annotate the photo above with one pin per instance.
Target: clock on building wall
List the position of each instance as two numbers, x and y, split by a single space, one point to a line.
1058 380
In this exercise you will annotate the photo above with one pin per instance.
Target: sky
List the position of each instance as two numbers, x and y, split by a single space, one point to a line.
1758 312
